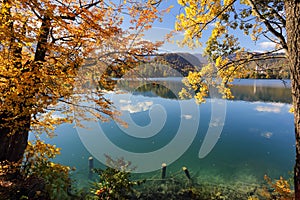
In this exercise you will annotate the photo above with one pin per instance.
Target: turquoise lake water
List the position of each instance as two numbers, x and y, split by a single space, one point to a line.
219 141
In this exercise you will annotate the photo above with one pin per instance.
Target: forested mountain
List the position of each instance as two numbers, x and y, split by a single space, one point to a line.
179 64
173 64
274 68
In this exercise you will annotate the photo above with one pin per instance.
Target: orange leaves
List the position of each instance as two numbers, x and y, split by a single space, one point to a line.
143 15
44 45
282 188
41 150
37 163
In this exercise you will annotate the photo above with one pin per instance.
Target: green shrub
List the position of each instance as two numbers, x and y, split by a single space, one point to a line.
113 184
37 163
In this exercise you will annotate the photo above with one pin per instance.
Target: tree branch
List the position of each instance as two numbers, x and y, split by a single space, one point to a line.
220 13
269 26
280 18
41 48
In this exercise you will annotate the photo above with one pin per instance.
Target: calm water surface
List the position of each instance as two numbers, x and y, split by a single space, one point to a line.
257 135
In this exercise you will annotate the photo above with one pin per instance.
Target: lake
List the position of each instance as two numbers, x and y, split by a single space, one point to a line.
220 141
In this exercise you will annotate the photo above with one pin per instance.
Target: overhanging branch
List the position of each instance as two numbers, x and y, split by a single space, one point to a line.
269 26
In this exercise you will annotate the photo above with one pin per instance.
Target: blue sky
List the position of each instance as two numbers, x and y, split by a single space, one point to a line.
159 31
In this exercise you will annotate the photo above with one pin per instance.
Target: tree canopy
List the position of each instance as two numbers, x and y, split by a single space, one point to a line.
259 19
50 51
274 20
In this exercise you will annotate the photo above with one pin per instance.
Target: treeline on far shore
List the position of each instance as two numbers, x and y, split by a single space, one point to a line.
183 63
180 64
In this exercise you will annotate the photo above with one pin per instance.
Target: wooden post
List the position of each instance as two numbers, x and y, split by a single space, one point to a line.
91 166
187 173
163 170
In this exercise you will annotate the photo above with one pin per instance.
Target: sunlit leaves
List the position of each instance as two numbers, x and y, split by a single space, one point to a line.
255 19
281 188
38 163
50 49
195 19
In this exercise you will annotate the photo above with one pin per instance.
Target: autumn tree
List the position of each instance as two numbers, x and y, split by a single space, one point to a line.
51 51
277 21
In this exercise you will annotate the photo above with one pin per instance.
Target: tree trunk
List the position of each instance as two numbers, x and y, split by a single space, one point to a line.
13 139
292 9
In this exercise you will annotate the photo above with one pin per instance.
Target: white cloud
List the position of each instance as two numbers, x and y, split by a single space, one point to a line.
267 135
187 116
125 101
274 109
277 104
267 45
258 51
217 122
281 51
57 116
263 50
139 107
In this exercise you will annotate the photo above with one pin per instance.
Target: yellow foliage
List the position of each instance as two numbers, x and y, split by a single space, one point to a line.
227 2
244 2
196 17
221 19
253 198
37 162
44 51
225 91
282 188
8 167
219 61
